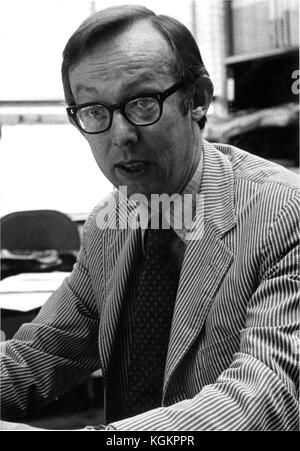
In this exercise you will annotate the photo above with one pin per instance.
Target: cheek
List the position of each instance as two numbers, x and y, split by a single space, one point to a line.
100 151
97 145
164 135
169 141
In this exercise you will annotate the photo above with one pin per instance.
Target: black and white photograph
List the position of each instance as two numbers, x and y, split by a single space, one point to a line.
149 218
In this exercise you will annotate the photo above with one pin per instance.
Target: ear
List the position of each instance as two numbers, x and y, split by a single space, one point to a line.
203 99
198 113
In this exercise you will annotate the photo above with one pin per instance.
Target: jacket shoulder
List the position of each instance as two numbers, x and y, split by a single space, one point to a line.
261 185
100 216
250 167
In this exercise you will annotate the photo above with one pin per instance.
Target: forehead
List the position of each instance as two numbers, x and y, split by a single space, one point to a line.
140 54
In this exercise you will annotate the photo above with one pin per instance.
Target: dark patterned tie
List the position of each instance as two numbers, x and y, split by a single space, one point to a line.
151 323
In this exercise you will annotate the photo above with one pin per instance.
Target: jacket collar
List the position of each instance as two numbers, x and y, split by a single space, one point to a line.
207 259
217 190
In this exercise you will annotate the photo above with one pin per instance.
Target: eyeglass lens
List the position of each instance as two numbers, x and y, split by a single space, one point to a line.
140 111
93 118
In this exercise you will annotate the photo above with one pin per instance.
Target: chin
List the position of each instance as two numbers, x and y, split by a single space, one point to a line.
132 191
142 189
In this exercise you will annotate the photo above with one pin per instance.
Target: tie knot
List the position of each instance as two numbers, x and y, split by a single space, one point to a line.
159 238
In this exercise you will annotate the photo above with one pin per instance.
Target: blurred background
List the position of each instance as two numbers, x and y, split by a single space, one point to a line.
250 48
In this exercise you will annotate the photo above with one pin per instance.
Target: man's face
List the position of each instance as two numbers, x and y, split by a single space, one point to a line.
133 62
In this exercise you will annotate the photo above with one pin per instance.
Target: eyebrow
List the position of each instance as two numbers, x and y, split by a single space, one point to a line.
141 77
80 86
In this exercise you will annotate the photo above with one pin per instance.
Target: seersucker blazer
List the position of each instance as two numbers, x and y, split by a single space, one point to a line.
232 360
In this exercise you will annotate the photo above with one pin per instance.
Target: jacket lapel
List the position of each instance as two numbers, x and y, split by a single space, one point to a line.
120 250
206 261
207 258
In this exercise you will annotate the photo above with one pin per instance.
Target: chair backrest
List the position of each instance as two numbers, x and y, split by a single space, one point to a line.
39 230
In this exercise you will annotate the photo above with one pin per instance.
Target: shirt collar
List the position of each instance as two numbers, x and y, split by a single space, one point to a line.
188 197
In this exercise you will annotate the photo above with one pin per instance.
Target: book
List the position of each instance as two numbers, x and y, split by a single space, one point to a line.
294 22
261 25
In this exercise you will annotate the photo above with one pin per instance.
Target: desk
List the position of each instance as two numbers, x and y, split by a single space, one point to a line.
10 426
22 296
20 301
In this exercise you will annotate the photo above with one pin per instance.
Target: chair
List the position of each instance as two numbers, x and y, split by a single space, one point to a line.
39 230
30 236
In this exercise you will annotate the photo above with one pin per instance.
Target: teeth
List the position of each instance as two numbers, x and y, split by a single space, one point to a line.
134 166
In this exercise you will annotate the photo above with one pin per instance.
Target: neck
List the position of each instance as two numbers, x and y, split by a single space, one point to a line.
194 162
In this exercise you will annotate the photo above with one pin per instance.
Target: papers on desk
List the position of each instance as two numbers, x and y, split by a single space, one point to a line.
47 257
8 426
29 291
23 302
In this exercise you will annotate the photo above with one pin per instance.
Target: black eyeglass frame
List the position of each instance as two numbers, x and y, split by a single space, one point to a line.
159 96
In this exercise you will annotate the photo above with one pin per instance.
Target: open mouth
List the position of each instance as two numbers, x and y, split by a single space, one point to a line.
134 167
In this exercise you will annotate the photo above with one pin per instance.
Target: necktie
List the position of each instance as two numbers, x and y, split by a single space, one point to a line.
151 323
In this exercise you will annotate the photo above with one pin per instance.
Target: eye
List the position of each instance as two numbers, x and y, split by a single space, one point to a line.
143 102
96 112
92 114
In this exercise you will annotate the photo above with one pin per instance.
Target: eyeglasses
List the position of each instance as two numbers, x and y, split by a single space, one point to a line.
142 110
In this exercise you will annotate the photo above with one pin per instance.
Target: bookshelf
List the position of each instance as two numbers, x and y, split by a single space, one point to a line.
262 57
236 59
261 80
263 25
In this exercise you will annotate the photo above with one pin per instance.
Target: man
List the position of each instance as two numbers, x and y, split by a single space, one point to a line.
224 356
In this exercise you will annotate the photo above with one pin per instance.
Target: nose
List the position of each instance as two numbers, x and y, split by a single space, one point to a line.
123 133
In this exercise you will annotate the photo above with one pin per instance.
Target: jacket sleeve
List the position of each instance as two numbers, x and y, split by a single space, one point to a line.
259 390
56 351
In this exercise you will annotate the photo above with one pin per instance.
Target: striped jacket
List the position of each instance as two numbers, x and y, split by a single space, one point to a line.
232 359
